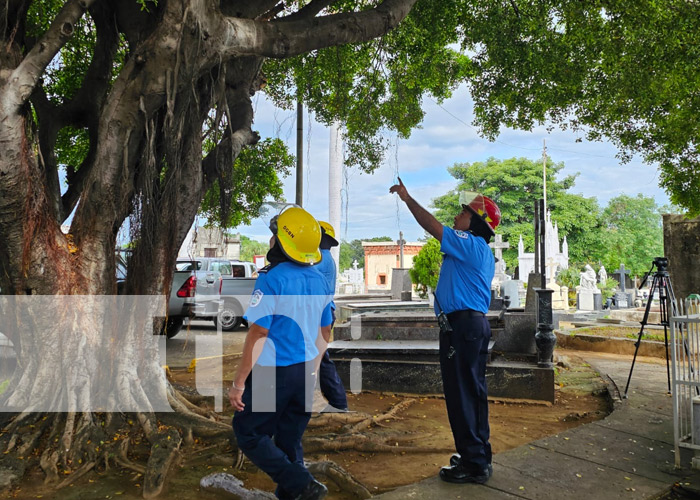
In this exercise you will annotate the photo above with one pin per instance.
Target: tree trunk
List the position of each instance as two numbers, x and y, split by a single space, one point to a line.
86 357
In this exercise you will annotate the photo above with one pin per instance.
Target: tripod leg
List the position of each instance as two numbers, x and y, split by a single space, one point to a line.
663 316
668 366
652 289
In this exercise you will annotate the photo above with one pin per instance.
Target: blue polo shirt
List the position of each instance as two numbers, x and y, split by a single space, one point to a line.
290 301
327 268
467 270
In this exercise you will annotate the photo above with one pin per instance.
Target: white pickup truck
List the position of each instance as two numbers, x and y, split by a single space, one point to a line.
223 296
195 292
238 286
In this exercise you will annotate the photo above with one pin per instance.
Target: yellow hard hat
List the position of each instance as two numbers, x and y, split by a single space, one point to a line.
329 232
299 235
327 228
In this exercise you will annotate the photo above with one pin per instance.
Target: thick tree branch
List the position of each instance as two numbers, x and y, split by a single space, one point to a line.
26 76
247 9
85 105
281 39
308 11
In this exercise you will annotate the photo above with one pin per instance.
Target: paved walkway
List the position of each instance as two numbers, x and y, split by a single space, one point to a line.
627 455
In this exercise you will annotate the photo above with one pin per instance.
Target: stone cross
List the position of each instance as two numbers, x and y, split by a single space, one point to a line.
498 247
354 264
621 273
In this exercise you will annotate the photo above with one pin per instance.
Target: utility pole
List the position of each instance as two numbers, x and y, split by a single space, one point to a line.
300 151
544 174
335 169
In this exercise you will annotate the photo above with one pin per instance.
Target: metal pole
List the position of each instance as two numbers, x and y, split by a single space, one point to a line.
544 174
543 259
536 224
300 152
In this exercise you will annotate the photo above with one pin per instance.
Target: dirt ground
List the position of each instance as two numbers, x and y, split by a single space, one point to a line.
410 445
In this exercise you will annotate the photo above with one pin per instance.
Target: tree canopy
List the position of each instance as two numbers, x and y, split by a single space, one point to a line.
251 248
632 235
515 184
622 70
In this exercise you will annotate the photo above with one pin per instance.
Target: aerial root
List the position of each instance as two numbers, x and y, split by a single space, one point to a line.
376 420
49 464
240 460
362 442
75 475
122 460
200 426
342 478
191 406
335 419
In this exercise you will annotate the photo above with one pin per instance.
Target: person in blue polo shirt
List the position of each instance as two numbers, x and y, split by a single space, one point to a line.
282 350
331 386
463 294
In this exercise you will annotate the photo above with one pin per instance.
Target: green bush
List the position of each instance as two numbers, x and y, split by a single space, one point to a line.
569 277
608 289
426 267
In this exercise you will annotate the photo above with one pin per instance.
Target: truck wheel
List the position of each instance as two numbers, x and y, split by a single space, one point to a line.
171 327
229 317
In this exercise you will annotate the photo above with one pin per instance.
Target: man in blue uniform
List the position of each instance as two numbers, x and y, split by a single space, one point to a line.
331 385
463 294
282 349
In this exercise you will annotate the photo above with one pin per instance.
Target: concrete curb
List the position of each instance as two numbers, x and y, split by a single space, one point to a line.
611 345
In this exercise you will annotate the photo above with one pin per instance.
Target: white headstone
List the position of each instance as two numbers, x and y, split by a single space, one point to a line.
585 300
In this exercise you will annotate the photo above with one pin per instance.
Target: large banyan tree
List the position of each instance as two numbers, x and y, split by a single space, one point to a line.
130 113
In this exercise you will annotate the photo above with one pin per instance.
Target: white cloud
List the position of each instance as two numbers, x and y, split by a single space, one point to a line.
446 137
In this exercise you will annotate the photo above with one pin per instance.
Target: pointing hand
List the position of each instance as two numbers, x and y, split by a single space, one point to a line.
400 189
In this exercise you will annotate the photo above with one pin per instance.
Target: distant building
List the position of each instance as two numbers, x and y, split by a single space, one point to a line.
210 242
383 256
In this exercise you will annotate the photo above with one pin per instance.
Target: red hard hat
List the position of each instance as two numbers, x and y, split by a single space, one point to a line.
483 207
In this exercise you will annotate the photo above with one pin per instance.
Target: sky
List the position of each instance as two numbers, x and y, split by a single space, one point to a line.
445 137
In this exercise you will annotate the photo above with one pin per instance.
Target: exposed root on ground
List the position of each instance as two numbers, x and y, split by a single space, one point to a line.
164 451
337 419
363 442
376 420
122 460
342 478
66 446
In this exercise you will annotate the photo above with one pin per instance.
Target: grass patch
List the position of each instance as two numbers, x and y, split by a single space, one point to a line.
624 332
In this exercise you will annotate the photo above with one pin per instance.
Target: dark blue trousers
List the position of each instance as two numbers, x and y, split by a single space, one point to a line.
331 386
463 356
272 439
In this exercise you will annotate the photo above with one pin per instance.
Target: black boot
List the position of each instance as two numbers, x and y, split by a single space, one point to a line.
312 491
456 459
459 474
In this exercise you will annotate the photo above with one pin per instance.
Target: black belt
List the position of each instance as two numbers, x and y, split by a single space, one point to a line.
469 313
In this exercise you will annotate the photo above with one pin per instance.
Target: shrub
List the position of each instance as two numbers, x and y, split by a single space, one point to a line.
426 267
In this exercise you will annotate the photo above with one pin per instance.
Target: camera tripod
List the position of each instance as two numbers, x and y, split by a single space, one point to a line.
661 282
